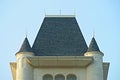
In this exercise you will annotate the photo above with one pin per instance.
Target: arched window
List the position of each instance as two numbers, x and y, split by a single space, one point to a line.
71 77
47 77
59 77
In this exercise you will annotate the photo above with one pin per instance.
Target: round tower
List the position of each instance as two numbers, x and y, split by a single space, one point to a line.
24 70
95 69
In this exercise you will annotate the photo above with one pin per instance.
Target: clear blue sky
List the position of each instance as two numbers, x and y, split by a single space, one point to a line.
20 16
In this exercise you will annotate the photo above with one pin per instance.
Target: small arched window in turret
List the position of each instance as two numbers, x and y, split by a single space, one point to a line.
59 77
71 77
47 77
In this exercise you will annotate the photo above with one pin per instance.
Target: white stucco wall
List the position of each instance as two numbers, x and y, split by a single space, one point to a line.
79 72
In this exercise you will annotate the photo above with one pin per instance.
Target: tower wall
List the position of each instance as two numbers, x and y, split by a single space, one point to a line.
24 71
95 70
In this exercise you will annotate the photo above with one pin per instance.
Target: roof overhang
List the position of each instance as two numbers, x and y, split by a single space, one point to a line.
59 61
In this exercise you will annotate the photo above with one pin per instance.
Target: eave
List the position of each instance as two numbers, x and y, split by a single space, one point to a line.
59 61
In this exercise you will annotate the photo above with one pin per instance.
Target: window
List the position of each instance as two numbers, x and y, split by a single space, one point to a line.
47 77
71 77
59 77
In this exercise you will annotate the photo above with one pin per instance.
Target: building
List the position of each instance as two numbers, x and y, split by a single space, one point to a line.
59 52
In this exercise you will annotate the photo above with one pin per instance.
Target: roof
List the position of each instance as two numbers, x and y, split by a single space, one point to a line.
25 46
59 36
93 46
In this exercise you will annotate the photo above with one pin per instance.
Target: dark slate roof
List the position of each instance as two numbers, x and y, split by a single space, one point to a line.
25 46
93 46
59 36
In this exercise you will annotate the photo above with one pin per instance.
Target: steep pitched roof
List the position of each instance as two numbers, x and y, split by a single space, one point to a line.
25 46
93 46
59 36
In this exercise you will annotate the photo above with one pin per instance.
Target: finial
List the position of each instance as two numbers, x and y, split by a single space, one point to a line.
93 33
45 12
60 11
26 33
74 12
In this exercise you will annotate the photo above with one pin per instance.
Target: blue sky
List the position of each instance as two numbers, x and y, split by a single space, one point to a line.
20 16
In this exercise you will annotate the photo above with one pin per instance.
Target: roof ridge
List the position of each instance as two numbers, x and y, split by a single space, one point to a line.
59 15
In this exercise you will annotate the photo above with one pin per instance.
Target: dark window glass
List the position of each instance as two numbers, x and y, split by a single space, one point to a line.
59 77
71 77
47 77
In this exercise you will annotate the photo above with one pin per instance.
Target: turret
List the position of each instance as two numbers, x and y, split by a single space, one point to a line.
95 70
25 48
23 68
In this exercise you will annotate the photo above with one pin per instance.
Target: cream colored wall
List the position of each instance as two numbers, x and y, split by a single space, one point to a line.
79 72
95 70
24 71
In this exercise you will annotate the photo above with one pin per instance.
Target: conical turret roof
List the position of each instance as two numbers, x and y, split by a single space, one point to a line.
93 46
25 46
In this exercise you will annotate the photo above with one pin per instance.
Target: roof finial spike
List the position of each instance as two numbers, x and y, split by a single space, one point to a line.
93 33
45 12
74 12
26 33
60 11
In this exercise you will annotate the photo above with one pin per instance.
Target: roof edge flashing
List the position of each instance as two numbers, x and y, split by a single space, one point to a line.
59 15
